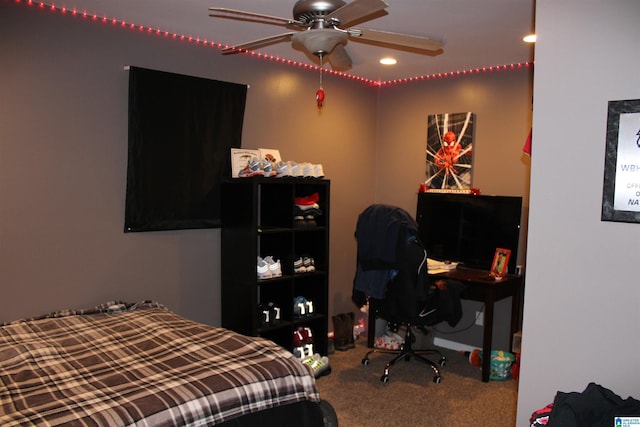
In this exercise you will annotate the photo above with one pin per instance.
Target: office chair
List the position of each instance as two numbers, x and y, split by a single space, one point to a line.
391 275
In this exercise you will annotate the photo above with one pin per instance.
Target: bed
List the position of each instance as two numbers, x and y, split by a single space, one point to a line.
124 364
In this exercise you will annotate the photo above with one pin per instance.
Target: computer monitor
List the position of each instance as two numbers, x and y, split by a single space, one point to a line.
468 228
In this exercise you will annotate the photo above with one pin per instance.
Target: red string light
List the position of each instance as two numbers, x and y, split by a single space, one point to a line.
305 66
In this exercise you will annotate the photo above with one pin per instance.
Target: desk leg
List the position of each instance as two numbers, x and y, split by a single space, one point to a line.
516 304
487 338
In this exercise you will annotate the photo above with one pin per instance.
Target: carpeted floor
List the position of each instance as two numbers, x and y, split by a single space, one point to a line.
410 398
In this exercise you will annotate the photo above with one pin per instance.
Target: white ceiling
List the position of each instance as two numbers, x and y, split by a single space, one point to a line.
476 33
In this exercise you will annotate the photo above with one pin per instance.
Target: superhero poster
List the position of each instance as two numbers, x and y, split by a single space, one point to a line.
450 151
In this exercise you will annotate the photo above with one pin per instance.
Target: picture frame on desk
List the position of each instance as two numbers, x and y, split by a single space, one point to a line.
500 263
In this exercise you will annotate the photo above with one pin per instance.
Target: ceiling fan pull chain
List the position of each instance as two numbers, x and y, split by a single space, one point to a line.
320 92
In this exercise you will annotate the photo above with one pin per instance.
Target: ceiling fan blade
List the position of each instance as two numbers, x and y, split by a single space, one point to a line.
223 12
395 39
339 58
258 43
357 10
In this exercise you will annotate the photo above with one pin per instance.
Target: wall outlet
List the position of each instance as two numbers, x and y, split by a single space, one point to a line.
480 318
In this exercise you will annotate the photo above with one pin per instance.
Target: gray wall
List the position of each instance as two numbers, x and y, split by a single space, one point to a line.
63 145
582 295
63 139
64 135
501 103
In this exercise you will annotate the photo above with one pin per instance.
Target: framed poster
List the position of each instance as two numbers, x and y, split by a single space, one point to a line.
621 188
450 151
500 263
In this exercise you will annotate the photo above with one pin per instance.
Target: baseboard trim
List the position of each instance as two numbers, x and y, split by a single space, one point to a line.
452 345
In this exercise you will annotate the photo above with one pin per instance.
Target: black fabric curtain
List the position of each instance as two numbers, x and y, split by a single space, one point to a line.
181 129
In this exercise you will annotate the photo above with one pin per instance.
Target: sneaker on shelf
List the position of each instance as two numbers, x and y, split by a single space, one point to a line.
309 305
274 266
300 308
318 364
310 220
309 264
308 349
299 221
298 338
296 170
302 347
264 315
307 335
299 352
268 314
253 168
283 169
306 214
263 269
274 312
298 266
267 168
317 171
307 170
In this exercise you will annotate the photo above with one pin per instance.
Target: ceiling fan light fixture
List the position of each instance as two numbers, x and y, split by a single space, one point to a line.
319 42
529 38
388 61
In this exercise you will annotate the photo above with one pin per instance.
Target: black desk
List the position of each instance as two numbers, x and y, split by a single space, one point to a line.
481 287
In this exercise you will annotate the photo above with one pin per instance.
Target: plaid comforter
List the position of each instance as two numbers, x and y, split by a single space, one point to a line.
139 364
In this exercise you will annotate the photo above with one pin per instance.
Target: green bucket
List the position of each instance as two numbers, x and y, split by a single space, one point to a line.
500 365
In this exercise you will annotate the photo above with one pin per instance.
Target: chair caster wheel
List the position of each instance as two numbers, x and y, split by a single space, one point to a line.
442 361
437 379
365 362
384 378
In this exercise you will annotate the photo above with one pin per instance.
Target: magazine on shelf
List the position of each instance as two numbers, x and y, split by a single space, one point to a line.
240 158
271 155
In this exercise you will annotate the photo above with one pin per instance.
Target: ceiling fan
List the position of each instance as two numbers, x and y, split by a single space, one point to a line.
323 27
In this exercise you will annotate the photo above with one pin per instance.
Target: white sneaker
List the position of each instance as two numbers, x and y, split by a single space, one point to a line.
274 266
309 264
283 169
307 170
298 266
299 352
309 349
317 171
296 170
319 364
267 168
263 269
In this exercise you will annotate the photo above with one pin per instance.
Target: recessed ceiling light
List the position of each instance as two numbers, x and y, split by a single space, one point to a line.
388 61
531 38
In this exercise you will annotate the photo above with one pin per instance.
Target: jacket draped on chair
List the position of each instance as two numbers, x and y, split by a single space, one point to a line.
392 269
